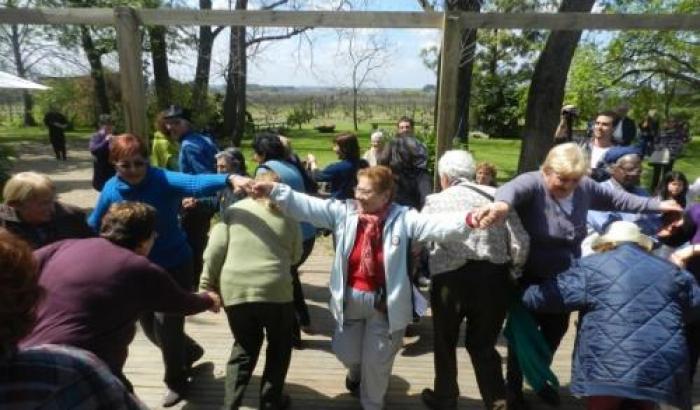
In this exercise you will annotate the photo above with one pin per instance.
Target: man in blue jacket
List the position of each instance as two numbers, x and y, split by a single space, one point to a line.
197 156
630 348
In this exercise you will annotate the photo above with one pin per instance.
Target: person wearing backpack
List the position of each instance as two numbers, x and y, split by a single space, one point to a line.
407 158
271 154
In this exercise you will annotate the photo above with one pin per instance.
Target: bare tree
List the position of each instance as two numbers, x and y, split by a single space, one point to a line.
365 55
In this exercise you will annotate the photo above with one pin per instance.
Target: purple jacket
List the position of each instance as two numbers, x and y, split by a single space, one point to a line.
102 169
94 293
555 237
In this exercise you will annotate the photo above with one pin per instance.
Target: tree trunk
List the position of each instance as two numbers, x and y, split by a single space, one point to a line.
464 85
546 93
159 55
354 108
200 88
96 71
28 120
234 101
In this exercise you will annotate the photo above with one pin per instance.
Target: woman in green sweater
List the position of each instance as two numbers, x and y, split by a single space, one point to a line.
247 262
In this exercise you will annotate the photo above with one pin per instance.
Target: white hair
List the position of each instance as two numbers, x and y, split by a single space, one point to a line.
457 164
376 136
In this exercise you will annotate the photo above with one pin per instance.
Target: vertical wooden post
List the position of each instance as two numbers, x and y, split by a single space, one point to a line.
131 71
447 98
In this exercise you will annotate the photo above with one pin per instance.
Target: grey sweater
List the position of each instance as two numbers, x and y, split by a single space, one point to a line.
555 236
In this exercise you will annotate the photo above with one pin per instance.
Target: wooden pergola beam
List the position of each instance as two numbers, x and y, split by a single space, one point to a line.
357 19
128 21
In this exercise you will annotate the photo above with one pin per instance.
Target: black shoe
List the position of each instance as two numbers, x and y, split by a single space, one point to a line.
516 400
550 396
283 403
297 344
194 353
172 398
353 386
433 402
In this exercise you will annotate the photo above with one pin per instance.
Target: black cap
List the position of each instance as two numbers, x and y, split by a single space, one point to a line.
177 112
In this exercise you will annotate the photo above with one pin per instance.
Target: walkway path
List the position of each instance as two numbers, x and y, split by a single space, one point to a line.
316 378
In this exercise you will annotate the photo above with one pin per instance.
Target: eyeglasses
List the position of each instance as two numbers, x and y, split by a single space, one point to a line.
131 165
364 191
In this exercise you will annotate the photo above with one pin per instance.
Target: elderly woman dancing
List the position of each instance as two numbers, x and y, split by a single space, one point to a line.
370 288
552 204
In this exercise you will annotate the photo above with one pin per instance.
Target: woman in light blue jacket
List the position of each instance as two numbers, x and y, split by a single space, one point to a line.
371 294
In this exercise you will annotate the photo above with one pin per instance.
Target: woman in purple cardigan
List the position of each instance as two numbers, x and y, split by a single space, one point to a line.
96 288
552 204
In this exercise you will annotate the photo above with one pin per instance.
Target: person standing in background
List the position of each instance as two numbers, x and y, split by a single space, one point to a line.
102 169
57 124
376 141
165 149
648 132
197 156
625 130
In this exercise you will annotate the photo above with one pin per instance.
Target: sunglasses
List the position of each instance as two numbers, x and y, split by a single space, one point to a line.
131 165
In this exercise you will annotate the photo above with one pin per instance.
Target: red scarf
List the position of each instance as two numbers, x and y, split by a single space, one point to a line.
371 225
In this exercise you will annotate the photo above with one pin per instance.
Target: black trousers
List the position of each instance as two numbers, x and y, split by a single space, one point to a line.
479 292
659 170
58 143
692 334
167 331
300 308
250 323
195 222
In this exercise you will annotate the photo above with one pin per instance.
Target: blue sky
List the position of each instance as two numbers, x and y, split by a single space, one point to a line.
322 61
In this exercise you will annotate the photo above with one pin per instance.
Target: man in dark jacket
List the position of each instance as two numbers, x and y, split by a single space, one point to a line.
102 169
625 129
631 348
57 123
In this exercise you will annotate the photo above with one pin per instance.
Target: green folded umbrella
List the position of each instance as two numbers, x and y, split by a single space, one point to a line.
532 351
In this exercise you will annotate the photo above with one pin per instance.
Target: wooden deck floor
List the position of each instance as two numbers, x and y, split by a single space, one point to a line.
316 378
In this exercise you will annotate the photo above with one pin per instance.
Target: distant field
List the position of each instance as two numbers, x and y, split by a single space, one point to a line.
500 152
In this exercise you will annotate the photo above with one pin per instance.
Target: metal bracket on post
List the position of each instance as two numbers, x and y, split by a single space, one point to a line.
131 71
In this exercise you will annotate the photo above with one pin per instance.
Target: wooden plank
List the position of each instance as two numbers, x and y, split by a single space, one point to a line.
450 56
582 21
357 19
271 18
89 16
131 71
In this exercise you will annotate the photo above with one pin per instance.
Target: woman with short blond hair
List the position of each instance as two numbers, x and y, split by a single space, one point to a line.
32 212
552 204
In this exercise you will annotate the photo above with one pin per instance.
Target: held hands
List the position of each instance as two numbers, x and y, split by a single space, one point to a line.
240 183
670 205
217 301
262 188
491 214
256 189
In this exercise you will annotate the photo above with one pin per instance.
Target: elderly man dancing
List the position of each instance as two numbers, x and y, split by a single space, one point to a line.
471 281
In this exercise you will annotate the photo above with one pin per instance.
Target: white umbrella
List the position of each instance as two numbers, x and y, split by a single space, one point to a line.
12 81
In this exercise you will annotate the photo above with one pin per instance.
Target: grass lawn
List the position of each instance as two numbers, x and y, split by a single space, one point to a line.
502 153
